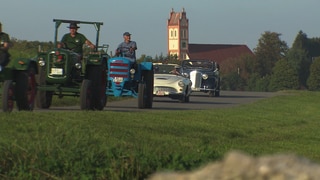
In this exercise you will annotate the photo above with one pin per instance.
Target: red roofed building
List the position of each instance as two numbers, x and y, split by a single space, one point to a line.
217 52
178 43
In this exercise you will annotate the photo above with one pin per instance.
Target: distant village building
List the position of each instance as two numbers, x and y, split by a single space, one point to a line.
178 34
178 43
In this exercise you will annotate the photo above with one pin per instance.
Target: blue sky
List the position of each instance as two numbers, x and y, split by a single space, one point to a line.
210 21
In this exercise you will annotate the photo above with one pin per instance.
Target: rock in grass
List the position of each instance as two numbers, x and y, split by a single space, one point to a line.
239 166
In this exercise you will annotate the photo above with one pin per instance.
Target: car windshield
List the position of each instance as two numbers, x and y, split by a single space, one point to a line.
163 68
197 64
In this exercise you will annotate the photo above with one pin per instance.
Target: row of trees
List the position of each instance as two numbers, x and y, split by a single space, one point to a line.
275 66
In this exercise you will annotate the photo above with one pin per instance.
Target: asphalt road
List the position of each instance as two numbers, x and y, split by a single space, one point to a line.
197 101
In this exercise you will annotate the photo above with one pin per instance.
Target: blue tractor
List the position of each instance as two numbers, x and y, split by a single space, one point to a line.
128 78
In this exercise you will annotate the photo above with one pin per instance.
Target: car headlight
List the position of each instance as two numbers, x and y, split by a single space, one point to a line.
204 76
180 83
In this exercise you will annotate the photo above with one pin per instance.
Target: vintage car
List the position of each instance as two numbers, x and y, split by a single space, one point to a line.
204 75
168 82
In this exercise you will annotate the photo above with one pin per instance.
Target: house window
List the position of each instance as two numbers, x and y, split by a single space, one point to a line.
183 45
171 33
175 33
183 34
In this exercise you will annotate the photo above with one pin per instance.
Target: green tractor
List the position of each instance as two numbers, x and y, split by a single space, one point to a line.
18 84
63 72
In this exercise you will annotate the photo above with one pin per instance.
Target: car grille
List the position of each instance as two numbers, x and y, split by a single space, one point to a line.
165 89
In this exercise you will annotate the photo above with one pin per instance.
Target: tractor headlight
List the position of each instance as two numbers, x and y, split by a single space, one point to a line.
180 83
204 76
132 71
78 65
41 62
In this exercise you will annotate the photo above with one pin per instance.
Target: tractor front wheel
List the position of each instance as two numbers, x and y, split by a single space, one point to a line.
85 95
98 78
141 95
43 98
145 90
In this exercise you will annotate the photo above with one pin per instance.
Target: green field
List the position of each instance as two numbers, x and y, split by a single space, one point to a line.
133 145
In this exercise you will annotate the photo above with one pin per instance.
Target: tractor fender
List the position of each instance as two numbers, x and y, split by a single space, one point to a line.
146 66
24 64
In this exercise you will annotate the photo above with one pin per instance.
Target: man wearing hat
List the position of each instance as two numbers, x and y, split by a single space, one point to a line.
176 70
4 47
74 40
127 48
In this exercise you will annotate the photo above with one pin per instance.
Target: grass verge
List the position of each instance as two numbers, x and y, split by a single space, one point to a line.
133 145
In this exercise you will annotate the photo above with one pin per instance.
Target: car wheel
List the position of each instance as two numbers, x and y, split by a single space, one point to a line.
187 99
217 93
183 98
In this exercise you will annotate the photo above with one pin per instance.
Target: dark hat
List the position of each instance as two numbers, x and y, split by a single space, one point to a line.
73 25
126 34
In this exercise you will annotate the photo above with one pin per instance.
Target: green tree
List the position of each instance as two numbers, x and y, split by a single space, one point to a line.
269 50
310 45
303 50
232 81
258 83
301 41
313 81
27 49
283 77
241 67
299 60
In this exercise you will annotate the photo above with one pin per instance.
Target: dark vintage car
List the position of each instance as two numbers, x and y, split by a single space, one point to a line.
204 75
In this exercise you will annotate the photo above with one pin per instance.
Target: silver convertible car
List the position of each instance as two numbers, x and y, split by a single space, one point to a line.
168 82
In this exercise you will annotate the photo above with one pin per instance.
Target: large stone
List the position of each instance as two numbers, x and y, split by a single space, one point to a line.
239 166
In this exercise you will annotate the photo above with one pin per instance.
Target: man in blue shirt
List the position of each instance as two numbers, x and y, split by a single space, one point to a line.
127 48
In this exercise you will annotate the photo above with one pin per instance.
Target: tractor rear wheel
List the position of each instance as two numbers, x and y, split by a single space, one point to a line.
98 78
7 96
25 89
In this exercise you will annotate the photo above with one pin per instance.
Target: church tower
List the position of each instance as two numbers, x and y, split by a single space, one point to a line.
178 34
